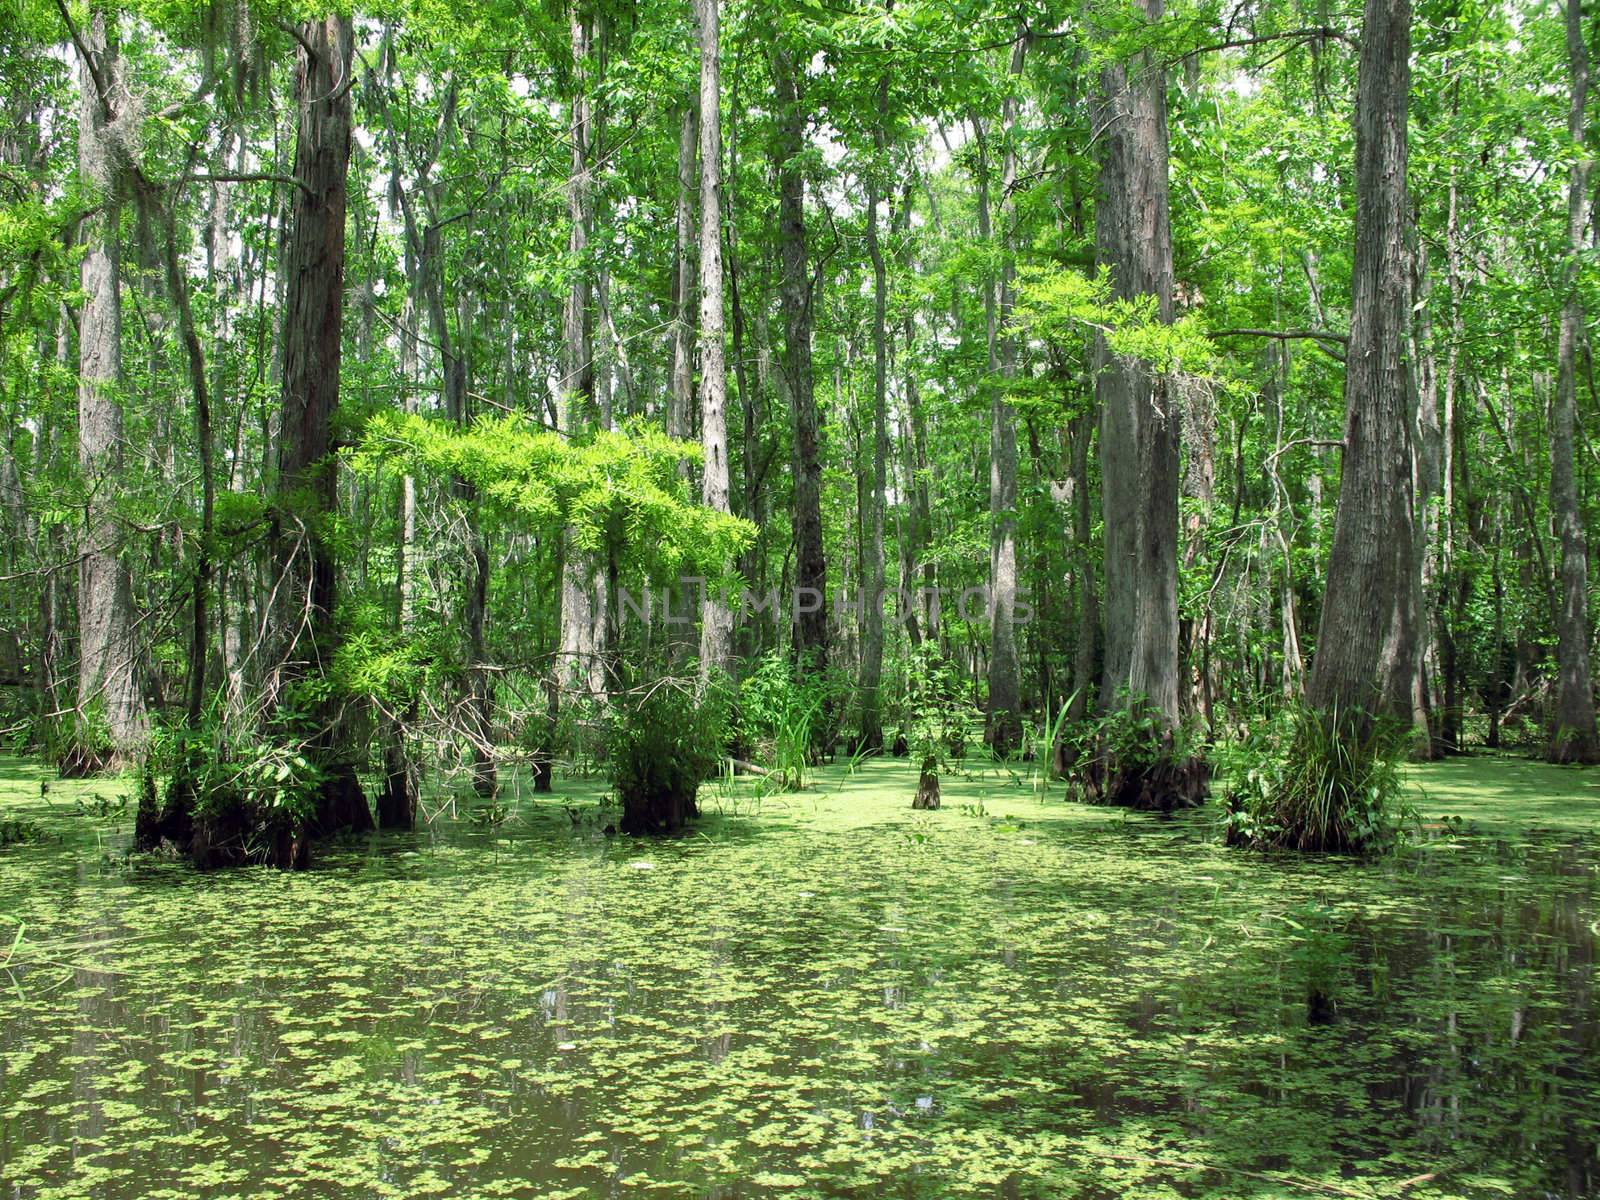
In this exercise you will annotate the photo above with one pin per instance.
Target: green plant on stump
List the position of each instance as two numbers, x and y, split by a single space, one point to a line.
938 721
229 799
663 744
81 747
1134 757
1315 781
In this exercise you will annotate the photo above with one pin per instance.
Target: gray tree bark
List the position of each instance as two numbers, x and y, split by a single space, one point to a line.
921 572
1365 643
716 618
1573 738
681 398
1004 715
1084 652
873 577
1139 414
314 253
795 300
578 659
108 683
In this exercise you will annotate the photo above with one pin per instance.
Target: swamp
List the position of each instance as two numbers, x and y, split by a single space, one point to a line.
816 598
821 993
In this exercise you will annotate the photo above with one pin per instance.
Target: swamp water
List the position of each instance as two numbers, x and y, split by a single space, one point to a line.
823 994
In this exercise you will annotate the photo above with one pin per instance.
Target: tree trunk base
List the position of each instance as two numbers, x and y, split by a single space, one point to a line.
1004 734
544 775
870 741
231 837
341 804
1161 786
397 802
485 776
660 811
927 797
85 762
169 822
1574 748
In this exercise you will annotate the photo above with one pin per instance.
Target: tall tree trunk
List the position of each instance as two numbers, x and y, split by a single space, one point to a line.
1138 414
303 616
199 386
578 660
716 617
1455 583
1084 652
108 684
682 395
920 529
1364 643
1293 659
397 801
57 585
1573 738
1427 456
752 385
795 299
872 599
1199 488
1004 714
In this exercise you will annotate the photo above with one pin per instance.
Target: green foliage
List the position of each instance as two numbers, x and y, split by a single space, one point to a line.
379 664
222 769
1043 743
1133 756
662 743
1064 305
1134 734
79 742
615 491
938 719
779 716
1306 780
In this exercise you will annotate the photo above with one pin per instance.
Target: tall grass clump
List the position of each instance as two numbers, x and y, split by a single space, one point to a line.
1317 781
781 715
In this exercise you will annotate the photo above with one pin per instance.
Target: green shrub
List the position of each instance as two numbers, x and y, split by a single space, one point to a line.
663 743
937 720
80 746
230 798
780 720
1132 757
1307 780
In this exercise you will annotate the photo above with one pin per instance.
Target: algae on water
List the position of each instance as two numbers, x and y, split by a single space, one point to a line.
1009 996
